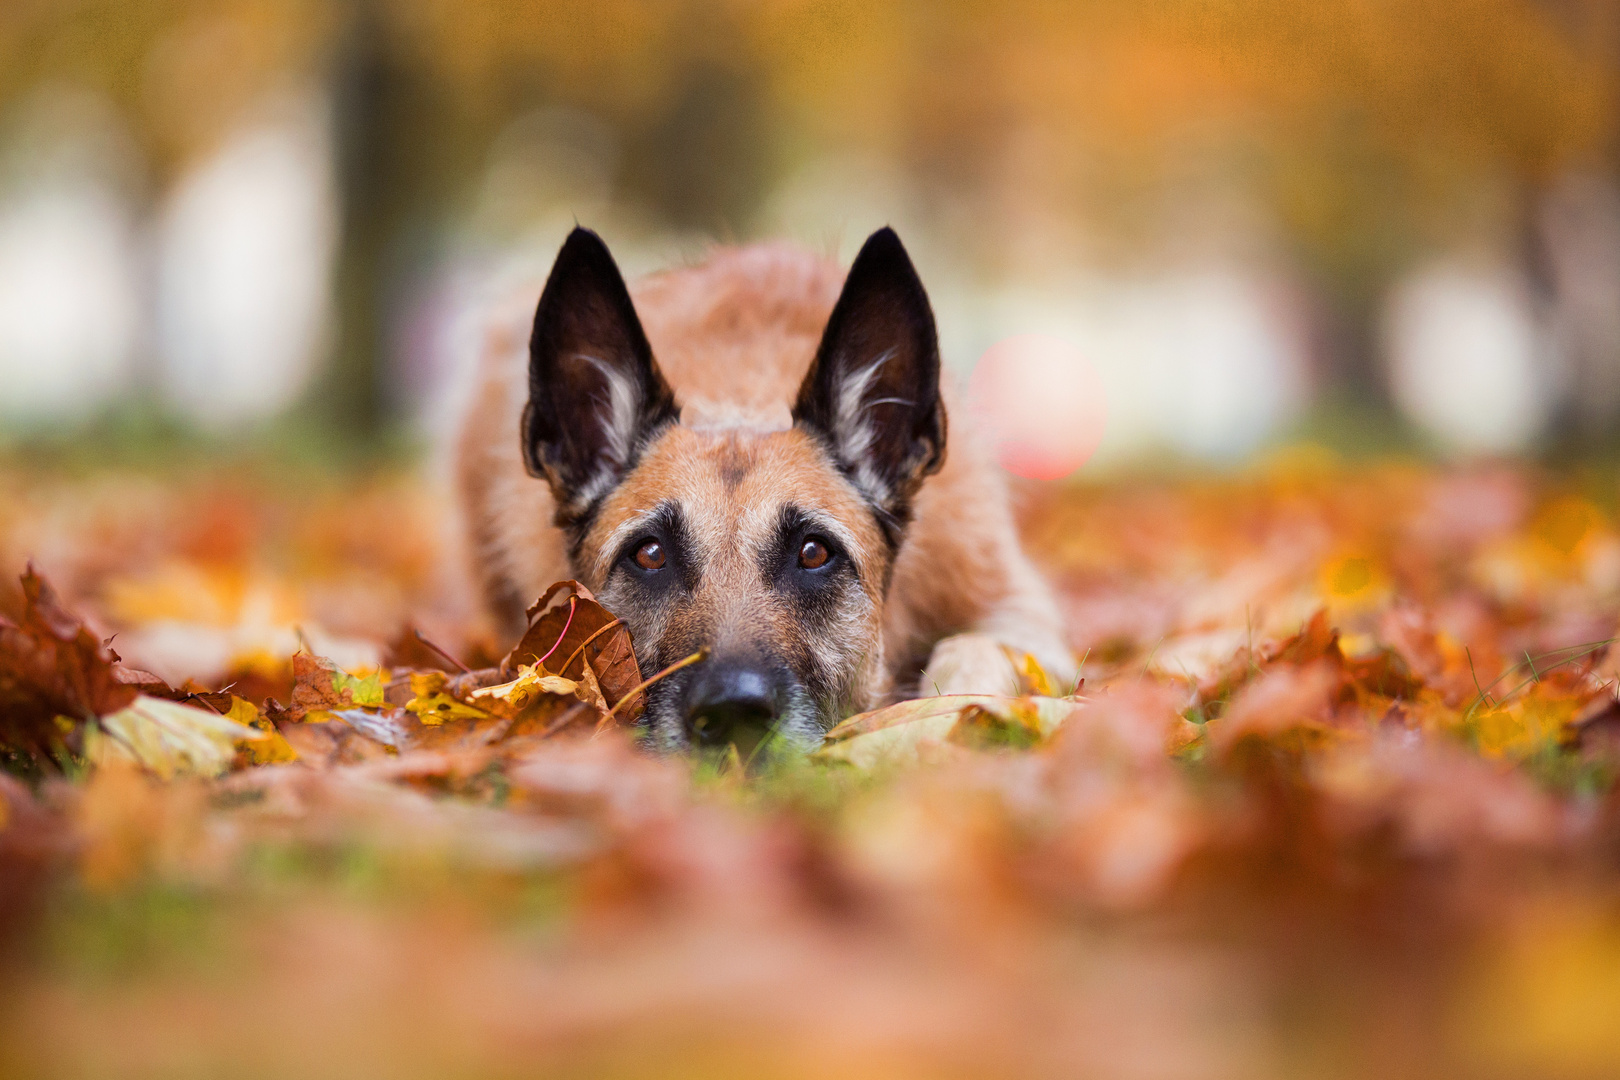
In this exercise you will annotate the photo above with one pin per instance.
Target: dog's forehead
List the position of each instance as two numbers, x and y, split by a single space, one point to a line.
731 487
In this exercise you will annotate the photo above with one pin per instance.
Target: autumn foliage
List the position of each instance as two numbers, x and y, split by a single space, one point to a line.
1335 798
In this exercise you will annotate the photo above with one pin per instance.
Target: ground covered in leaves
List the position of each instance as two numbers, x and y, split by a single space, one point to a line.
1335 799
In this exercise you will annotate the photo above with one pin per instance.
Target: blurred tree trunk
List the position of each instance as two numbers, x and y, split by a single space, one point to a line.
1571 256
1357 371
373 99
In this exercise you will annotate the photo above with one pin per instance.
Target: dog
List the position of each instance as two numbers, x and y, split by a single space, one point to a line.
749 457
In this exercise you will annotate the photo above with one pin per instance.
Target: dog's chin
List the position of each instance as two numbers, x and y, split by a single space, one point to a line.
797 731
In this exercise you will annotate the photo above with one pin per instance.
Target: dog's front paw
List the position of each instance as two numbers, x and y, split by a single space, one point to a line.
969 664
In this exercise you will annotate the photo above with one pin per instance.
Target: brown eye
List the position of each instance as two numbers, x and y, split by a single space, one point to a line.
813 555
650 555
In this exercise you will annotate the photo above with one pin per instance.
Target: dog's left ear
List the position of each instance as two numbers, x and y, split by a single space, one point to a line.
596 395
872 393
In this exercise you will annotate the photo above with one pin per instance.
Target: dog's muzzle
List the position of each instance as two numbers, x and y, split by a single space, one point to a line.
733 701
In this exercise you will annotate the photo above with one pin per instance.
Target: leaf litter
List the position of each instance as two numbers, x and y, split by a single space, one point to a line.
1337 796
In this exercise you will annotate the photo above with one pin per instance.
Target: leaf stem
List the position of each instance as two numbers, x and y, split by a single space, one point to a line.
701 654
599 632
419 637
573 602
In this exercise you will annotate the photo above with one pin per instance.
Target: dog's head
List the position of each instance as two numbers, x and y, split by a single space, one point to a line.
771 550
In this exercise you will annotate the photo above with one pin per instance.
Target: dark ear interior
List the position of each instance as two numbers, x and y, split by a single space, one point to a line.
595 394
872 392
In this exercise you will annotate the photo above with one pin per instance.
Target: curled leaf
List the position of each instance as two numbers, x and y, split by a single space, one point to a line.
52 666
579 639
529 687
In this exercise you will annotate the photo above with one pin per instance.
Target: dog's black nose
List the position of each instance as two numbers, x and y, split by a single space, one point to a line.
727 699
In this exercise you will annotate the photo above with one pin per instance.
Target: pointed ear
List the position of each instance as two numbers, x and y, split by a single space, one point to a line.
596 397
872 393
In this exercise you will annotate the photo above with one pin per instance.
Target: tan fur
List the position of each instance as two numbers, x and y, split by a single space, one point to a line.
734 338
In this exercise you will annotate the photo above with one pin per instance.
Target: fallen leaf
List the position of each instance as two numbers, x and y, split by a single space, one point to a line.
171 739
432 705
320 684
1019 722
52 666
1285 699
523 691
926 728
570 632
273 749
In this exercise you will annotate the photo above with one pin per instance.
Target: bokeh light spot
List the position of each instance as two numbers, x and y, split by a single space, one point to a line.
1042 404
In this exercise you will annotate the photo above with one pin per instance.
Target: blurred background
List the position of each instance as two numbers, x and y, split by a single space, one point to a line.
1353 219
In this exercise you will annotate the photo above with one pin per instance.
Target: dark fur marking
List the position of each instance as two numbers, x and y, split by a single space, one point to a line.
576 527
733 468
816 595
667 525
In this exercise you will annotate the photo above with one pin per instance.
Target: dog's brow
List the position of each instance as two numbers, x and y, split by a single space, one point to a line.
826 523
830 525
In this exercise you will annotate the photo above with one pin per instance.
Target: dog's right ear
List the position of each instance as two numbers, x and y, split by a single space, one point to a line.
596 395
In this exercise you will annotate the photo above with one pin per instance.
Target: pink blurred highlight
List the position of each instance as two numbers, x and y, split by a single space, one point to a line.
1041 403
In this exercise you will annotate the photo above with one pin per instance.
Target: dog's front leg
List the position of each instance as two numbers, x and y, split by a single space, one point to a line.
969 664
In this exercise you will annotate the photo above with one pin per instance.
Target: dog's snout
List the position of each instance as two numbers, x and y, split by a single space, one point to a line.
726 698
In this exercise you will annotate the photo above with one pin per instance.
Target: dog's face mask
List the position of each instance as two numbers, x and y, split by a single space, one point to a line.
771 551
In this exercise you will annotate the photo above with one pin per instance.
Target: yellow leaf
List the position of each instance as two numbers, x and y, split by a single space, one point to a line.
1031 674
433 706
366 691
273 749
524 690
170 739
912 731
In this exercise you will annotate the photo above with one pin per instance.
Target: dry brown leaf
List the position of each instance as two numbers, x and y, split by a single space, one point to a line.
568 632
321 685
52 666
1285 699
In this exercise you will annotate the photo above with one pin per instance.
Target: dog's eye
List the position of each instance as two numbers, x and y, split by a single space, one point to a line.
813 554
650 555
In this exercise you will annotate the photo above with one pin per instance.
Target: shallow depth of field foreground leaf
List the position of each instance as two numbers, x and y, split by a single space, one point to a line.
1337 797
